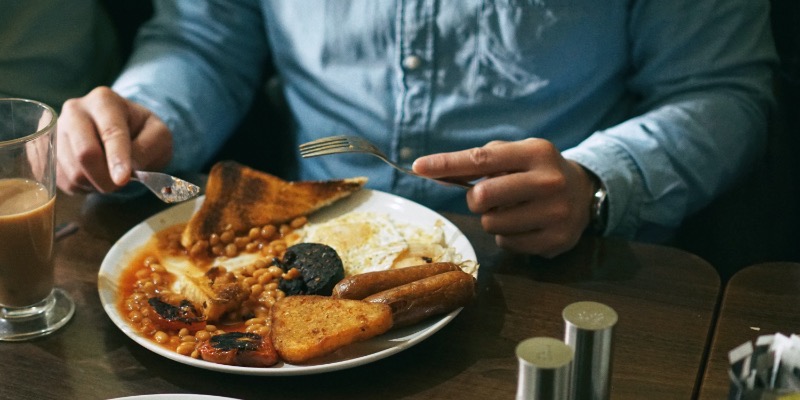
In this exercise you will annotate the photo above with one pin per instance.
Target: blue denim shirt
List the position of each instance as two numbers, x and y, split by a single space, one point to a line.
665 101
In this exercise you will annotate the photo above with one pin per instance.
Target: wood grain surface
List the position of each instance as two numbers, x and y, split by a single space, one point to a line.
762 299
665 299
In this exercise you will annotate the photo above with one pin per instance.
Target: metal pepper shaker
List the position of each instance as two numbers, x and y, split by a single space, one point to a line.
589 329
544 369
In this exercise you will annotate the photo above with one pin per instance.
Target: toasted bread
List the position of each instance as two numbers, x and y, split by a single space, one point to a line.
307 327
242 198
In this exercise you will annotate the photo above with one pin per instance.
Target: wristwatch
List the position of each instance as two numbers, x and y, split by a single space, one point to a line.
599 210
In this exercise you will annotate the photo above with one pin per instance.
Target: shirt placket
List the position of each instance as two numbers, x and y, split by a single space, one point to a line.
415 66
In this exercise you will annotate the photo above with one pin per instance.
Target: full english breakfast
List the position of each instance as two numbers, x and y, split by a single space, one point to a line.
248 280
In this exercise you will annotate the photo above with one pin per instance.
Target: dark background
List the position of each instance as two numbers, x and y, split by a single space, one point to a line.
758 220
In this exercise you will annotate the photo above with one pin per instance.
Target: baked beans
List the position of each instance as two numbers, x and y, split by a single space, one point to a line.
146 278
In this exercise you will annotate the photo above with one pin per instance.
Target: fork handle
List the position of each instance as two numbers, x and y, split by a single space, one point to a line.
453 182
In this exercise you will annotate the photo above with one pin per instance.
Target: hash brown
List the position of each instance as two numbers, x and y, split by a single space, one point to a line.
305 327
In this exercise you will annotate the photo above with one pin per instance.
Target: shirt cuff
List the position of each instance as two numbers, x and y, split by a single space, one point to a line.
624 184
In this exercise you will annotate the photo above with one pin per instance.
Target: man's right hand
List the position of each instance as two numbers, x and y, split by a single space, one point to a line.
102 137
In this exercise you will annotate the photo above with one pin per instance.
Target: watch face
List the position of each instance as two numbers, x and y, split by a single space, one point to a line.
599 210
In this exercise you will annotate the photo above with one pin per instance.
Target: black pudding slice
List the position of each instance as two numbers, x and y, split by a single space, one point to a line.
319 265
236 341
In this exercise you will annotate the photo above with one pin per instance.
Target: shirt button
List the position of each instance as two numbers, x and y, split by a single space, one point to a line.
412 62
406 153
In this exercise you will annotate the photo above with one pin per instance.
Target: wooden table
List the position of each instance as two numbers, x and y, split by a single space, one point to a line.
759 300
665 299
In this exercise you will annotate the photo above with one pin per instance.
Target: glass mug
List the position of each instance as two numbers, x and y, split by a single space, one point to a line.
30 305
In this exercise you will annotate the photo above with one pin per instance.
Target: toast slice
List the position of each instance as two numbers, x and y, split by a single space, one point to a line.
307 327
243 198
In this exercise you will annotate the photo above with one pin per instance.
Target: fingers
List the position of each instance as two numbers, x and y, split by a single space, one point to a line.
532 199
102 136
110 114
94 142
527 216
490 160
547 227
547 180
69 178
550 216
152 144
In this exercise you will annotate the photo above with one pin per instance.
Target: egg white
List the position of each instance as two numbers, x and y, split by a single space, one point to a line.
369 241
363 241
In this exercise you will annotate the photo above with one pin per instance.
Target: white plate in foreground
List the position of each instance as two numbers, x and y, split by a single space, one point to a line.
395 341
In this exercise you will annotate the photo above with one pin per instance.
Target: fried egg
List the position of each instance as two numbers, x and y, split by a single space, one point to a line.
369 241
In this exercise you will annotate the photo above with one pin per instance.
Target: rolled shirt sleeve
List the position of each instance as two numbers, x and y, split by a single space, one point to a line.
705 88
197 66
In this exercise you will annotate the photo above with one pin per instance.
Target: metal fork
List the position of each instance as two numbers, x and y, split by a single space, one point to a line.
355 144
166 187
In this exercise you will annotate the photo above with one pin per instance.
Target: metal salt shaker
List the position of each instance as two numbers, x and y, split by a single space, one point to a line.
544 369
588 331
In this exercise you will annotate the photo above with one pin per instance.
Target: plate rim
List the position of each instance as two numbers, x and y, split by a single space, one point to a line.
117 253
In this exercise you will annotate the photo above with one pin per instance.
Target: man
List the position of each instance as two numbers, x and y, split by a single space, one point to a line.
622 117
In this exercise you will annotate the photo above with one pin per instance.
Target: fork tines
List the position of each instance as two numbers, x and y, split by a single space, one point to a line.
327 139
326 145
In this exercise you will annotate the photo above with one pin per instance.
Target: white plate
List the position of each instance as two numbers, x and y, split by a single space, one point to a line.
394 341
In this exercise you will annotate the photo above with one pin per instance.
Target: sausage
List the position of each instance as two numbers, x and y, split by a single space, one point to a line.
434 295
360 286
